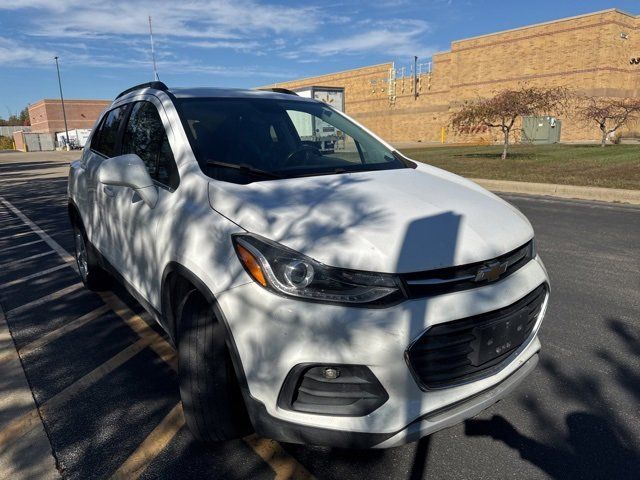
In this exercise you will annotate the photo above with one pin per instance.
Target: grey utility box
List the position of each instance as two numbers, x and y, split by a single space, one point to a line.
541 129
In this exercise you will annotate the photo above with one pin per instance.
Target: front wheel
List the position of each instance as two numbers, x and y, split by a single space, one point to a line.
213 406
92 275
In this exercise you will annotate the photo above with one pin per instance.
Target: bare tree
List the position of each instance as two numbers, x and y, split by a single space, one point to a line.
609 113
502 110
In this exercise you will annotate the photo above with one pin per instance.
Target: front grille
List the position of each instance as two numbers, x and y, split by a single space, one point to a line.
449 354
454 279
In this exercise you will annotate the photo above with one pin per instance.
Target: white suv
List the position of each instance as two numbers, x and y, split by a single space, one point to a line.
317 292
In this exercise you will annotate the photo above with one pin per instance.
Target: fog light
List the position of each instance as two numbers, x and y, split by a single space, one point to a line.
331 373
345 390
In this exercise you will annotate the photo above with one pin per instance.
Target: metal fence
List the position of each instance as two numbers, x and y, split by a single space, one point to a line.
33 142
8 131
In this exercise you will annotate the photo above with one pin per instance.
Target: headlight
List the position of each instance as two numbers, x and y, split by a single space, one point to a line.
287 272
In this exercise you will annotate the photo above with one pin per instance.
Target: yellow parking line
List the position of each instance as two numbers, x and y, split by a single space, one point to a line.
33 275
46 298
59 332
162 348
22 425
93 376
149 449
19 427
8 355
284 465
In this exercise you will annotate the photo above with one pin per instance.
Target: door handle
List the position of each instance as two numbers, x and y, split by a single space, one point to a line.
109 191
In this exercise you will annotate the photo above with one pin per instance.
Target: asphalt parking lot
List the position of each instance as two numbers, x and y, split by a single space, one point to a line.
103 377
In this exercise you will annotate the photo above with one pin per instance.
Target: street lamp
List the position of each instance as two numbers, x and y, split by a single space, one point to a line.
64 114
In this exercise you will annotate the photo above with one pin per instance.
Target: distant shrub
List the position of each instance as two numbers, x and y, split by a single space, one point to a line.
6 143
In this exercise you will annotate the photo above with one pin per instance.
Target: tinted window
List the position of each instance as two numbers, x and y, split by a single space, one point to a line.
107 136
146 137
241 140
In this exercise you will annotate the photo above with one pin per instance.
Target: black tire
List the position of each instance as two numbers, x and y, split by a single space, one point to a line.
92 274
213 406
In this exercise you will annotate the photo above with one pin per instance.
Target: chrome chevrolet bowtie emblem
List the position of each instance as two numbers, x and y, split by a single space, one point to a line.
491 271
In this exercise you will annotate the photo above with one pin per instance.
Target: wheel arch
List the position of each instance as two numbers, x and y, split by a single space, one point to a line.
176 270
74 212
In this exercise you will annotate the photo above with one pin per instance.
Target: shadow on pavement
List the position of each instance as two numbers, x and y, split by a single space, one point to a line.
597 443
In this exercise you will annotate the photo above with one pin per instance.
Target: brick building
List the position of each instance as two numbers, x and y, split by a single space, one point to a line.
590 54
46 115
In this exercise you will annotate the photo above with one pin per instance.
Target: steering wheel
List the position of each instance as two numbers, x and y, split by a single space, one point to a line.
302 149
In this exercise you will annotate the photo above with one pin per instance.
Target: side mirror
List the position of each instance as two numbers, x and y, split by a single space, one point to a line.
129 171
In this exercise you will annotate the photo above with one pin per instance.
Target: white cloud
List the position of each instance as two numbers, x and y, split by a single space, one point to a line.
241 46
177 68
114 34
13 54
401 38
221 19
17 54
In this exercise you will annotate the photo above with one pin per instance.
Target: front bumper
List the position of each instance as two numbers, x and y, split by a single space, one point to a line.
273 334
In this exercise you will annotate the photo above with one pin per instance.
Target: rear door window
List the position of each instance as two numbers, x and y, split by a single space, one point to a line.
106 138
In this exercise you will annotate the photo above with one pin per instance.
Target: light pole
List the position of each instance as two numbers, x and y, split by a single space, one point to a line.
64 114
415 77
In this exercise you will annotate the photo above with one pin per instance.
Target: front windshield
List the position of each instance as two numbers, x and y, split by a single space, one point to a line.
242 140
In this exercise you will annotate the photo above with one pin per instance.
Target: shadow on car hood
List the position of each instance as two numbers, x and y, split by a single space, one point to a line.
387 221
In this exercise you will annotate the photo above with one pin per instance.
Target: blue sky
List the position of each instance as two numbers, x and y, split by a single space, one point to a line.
104 45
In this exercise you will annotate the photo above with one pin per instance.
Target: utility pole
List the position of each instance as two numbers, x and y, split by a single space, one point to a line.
64 114
153 53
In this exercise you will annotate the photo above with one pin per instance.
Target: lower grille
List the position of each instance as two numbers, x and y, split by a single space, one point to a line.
460 351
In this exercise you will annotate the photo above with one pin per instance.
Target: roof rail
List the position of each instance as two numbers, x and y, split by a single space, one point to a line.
156 85
279 90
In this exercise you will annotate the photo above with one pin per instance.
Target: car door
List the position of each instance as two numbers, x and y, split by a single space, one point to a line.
146 136
102 219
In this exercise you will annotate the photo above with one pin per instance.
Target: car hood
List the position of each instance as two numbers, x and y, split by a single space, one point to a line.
392 221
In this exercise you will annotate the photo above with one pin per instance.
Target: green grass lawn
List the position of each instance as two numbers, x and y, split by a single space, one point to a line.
615 166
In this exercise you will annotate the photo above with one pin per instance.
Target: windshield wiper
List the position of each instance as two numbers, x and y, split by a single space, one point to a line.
333 171
244 168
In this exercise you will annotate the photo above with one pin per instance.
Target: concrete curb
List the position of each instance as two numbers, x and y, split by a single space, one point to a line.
562 191
25 451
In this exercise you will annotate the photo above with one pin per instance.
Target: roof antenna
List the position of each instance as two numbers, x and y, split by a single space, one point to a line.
153 53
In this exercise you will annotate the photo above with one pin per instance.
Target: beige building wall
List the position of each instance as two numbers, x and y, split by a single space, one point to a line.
46 115
589 54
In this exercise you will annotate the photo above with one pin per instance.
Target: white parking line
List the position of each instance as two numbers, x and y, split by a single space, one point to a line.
36 229
46 298
33 275
17 235
4 229
22 245
6 220
13 263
